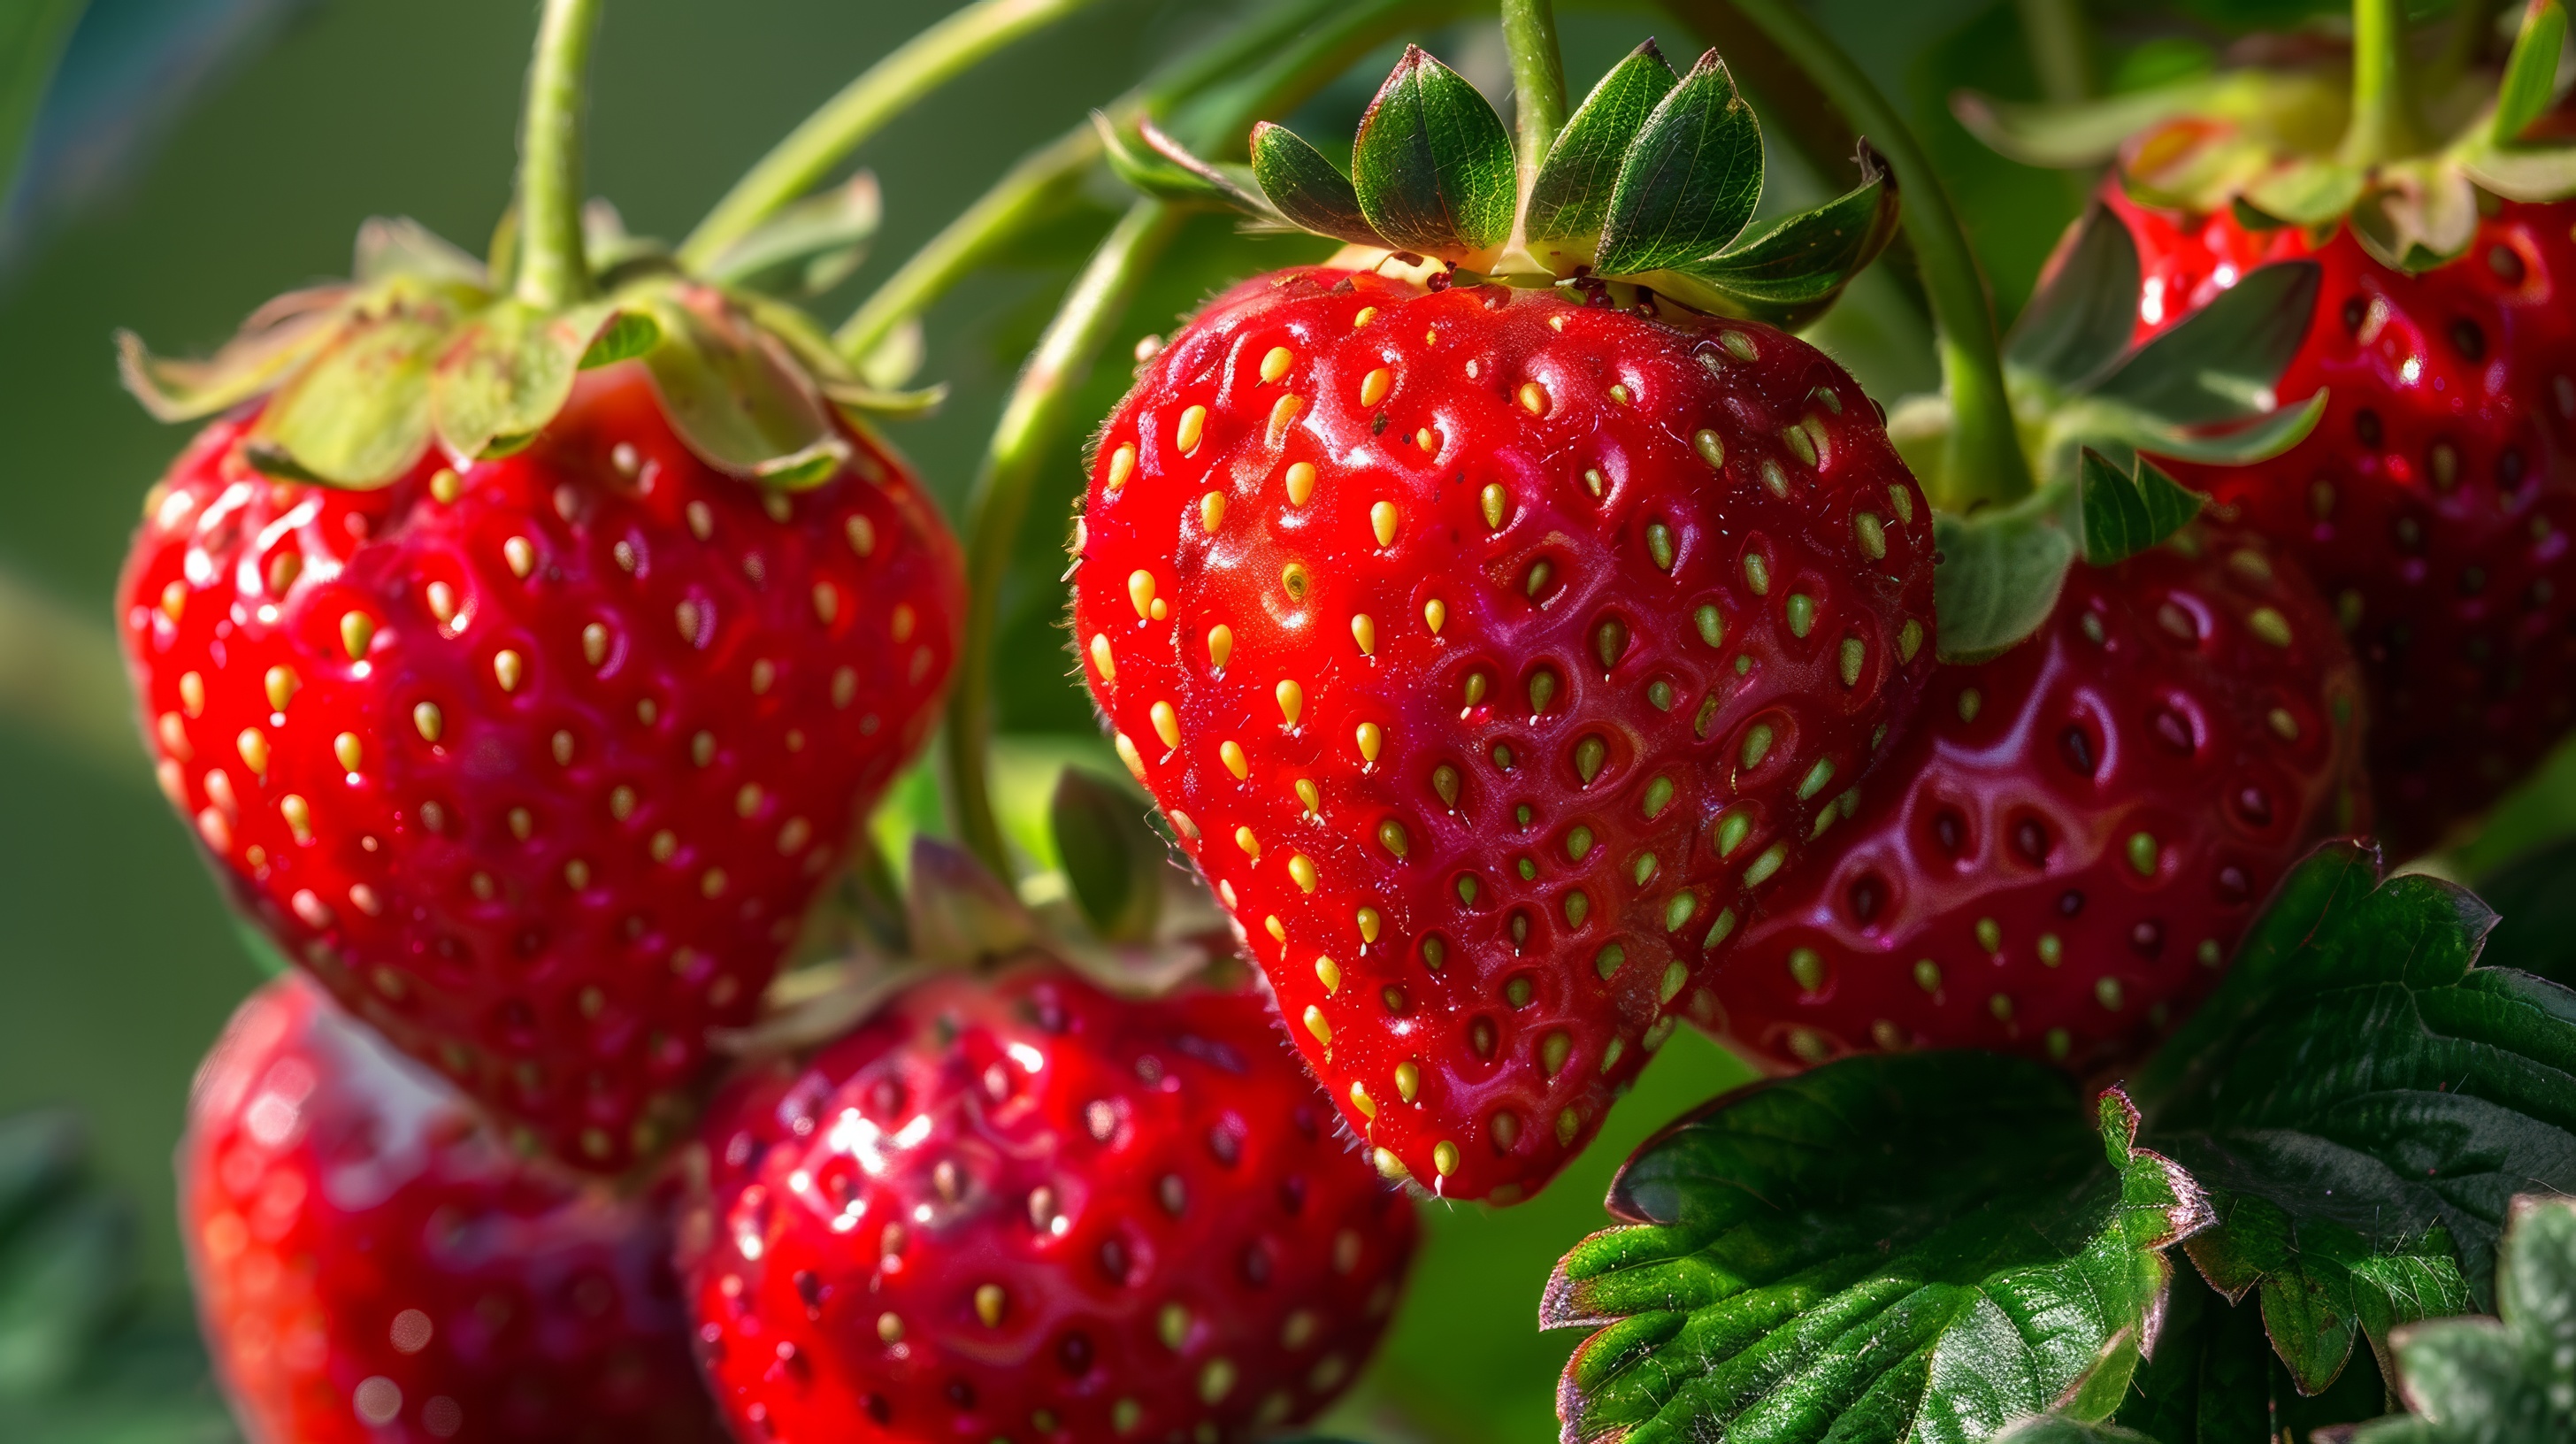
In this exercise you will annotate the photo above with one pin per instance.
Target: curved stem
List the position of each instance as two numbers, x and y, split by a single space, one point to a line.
1985 461
2060 52
2385 123
845 122
1538 79
60 674
1023 442
552 273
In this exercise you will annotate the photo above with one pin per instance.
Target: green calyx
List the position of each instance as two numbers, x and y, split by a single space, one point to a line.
2402 156
2091 410
1651 182
425 345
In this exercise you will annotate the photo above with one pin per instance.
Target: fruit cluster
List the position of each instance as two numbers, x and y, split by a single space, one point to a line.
1529 642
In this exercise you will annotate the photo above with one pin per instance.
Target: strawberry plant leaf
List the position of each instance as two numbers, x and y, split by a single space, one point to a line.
2058 1429
1691 180
1793 270
2510 1378
1433 164
2220 363
2118 430
2530 72
1306 188
1997 579
2085 133
1572 192
808 247
2523 173
2124 512
2206 1382
2377 1098
1164 168
1112 860
1918 1246
2080 321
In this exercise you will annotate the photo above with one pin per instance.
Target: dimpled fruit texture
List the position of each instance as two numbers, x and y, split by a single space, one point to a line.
2433 504
1023 1209
537 766
2060 856
1488 652
374 1266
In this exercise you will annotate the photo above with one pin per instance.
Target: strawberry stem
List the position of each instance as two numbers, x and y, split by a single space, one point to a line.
2059 49
845 122
2385 125
1538 80
552 272
1985 461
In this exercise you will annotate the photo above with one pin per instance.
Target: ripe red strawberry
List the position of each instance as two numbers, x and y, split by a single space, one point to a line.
536 762
1490 652
1021 1209
2060 854
375 1266
2434 502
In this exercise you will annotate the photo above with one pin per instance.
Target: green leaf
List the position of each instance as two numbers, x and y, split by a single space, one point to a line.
2535 899
1572 192
2058 1429
2530 72
2086 133
277 338
2319 1283
2306 192
1922 1247
2119 430
1791 272
358 415
1112 859
2206 1381
1997 579
735 393
806 248
2424 212
390 246
2507 1379
2355 1072
1691 180
1433 164
42 1151
63 1277
1306 188
2123 513
1164 168
627 335
510 372
2221 362
2525 172
2081 320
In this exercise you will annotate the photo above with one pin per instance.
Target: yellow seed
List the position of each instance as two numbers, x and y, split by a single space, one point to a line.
1185 437
281 684
507 668
1370 740
442 601
1369 924
1122 465
174 600
1435 614
2284 726
1101 661
862 534
1296 581
1301 869
827 602
1366 315
1710 446
1128 754
1283 414
988 1304
345 749
298 815
1493 498
1140 591
1278 931
1231 754
1364 632
2269 625
1167 723
1292 700
1909 639
1375 385
1873 536
446 485
702 520
594 644
426 718
1307 794
1444 1158
1361 1101
1244 839
1382 521
1533 398
357 629
192 693
1301 482
253 745
1316 1025
521 556
1275 363
1220 643
1211 512
1424 439
1329 973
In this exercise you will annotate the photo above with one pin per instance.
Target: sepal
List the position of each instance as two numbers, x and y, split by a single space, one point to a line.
1691 179
2124 512
1791 272
1432 166
808 247
1570 198
1998 575
1153 163
1307 189
1113 862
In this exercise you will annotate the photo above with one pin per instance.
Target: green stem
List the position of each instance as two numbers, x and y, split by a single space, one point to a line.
1023 443
1985 461
2472 30
2385 123
552 273
846 121
2059 50
1538 79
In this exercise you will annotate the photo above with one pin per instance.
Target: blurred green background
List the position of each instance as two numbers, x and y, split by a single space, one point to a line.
202 155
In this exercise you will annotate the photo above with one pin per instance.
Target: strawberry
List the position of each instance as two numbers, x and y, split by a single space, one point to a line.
1020 1208
374 1266
2066 847
2435 500
537 760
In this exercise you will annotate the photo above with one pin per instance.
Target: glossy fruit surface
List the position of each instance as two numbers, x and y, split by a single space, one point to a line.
536 765
2433 503
1023 1209
2058 860
374 1266
1489 652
